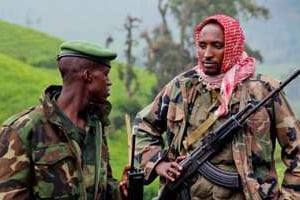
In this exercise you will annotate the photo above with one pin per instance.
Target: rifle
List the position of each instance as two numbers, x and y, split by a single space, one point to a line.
212 142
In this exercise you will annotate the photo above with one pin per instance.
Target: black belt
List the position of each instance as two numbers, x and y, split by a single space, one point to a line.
220 177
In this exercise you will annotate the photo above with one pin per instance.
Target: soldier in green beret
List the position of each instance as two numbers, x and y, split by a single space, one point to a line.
58 149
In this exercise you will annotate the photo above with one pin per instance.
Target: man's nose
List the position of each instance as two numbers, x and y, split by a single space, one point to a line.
208 52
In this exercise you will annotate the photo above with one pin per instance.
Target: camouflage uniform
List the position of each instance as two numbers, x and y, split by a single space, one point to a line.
185 103
44 156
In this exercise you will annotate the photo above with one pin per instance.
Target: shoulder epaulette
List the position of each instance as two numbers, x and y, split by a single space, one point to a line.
267 82
15 117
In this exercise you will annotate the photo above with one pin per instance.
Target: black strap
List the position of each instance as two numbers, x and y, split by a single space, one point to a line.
220 177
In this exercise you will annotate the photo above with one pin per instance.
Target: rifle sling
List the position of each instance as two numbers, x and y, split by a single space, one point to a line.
220 177
197 133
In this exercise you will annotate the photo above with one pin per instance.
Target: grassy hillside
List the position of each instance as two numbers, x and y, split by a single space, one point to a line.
32 47
21 85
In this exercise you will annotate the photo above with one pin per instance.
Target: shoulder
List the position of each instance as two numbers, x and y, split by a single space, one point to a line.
18 128
262 81
188 76
24 120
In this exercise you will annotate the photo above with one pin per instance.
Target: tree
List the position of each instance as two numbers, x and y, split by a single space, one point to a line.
165 56
127 74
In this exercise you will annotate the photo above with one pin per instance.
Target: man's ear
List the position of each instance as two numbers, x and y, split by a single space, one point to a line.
86 75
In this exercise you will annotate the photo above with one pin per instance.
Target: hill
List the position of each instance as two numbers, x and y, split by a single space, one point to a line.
21 85
29 46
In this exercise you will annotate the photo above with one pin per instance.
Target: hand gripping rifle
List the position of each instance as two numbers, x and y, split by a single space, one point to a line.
212 143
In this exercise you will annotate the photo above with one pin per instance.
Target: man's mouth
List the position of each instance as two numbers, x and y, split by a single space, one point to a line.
209 64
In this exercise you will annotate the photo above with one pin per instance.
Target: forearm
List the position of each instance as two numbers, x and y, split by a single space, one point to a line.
148 153
149 144
288 130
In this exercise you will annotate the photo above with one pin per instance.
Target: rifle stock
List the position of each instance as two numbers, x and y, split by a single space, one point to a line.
212 142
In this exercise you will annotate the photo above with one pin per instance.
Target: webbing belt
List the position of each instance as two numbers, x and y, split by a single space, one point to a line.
220 177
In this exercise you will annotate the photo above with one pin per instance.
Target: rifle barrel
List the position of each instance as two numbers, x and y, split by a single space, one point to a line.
270 95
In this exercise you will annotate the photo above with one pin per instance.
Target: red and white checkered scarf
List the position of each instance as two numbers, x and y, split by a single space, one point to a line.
236 65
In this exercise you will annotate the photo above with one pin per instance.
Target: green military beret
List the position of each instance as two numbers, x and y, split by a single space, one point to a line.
86 50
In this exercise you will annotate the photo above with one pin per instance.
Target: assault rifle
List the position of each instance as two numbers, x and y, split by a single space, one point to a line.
212 143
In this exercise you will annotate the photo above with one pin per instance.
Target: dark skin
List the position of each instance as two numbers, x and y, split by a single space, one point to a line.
81 87
210 48
210 51
169 170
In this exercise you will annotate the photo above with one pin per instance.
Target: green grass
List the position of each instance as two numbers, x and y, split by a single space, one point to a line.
119 93
21 85
29 46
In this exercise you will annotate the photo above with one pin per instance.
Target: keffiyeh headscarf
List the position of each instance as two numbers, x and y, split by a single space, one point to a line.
236 65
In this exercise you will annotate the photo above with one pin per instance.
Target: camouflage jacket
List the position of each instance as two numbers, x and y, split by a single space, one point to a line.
44 156
185 103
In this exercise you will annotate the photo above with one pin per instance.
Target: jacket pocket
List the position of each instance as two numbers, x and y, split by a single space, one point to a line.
175 116
55 172
198 116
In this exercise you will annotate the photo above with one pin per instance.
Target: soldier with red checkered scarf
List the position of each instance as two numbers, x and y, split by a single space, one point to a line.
203 97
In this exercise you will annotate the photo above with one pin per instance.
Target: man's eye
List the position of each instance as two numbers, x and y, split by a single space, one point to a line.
218 45
202 46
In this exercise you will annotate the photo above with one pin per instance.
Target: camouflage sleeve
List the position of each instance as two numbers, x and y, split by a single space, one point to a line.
149 125
288 132
113 189
113 186
14 162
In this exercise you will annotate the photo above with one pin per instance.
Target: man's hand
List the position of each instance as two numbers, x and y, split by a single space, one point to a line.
124 182
169 170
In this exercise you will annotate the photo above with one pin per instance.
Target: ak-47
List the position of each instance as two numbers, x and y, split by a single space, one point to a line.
212 142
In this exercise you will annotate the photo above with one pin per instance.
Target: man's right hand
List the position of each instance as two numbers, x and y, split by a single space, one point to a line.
169 170
124 182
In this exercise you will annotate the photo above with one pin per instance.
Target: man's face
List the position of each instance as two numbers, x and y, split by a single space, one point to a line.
99 87
210 48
